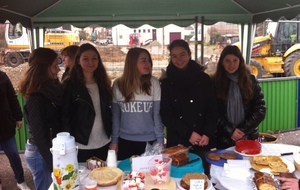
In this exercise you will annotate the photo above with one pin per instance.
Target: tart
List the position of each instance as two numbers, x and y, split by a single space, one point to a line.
106 176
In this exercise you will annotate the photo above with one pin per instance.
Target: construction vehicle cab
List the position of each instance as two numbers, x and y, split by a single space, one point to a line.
18 49
278 51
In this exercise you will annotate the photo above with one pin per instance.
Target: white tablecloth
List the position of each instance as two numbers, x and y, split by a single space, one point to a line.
225 183
114 186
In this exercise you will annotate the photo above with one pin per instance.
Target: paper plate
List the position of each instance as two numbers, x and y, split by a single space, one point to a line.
290 166
221 161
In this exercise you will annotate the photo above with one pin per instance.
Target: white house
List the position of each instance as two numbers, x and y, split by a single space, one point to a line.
121 34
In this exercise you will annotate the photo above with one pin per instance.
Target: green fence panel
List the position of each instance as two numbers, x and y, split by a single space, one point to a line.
281 96
22 134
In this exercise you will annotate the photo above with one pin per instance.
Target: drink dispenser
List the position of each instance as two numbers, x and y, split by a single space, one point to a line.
65 164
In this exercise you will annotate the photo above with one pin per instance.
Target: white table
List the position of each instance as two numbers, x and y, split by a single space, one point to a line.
226 183
113 187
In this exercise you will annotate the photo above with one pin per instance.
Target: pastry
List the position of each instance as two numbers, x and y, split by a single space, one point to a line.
185 180
133 180
274 163
213 156
106 176
180 159
261 160
95 162
264 181
228 156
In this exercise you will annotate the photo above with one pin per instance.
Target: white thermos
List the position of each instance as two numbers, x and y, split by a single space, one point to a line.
65 164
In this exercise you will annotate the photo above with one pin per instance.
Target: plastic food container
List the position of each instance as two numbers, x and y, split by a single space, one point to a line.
160 169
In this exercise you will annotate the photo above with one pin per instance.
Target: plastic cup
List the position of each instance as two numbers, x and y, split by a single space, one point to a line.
160 169
111 160
90 184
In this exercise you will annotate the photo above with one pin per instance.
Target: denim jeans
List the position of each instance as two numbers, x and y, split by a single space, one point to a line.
10 149
38 167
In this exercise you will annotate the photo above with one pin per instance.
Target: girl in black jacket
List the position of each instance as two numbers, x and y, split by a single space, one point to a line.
240 99
86 110
43 93
188 103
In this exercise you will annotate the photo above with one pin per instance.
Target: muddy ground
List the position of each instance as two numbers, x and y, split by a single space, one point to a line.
113 58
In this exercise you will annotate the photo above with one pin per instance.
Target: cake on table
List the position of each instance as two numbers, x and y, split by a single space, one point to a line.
180 157
250 147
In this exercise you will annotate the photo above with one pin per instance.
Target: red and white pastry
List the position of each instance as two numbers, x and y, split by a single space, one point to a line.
134 181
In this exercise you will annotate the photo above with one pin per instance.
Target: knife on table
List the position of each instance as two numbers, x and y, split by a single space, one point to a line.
192 161
287 153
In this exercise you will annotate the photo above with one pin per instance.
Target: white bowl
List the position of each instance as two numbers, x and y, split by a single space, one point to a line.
297 161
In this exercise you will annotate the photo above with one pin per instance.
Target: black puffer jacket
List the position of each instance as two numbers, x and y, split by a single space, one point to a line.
188 104
79 113
10 110
255 112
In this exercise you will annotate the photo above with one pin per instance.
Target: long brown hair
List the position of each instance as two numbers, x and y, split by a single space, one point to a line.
131 82
70 51
40 61
100 73
221 82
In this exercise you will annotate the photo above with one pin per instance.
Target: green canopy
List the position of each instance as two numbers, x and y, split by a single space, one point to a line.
134 13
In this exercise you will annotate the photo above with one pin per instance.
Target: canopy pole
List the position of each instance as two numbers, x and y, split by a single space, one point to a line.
196 38
251 35
202 40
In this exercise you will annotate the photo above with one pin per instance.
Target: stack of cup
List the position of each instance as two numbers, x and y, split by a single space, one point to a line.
111 160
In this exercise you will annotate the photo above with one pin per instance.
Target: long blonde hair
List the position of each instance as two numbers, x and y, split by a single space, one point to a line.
131 82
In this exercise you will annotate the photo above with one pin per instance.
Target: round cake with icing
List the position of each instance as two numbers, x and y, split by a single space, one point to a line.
178 172
248 147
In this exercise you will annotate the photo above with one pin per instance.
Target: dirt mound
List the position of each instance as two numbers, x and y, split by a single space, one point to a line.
111 53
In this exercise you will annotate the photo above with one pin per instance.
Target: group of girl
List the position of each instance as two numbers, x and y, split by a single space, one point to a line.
197 110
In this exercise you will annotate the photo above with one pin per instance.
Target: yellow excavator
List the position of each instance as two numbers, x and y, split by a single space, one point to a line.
18 50
278 52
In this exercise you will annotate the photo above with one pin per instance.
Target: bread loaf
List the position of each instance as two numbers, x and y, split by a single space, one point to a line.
185 180
175 150
180 159
287 175
264 181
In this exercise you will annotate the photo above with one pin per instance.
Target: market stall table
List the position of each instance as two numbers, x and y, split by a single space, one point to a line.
225 183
